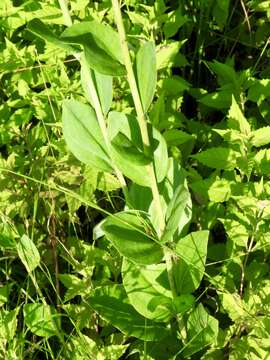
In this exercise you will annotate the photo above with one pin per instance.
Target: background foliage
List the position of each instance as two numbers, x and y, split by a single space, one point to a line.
212 107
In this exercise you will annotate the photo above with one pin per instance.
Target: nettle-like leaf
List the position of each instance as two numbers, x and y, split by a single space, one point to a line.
83 135
262 161
189 270
236 119
146 73
218 158
127 149
101 45
260 137
133 236
102 83
202 330
112 304
218 100
148 290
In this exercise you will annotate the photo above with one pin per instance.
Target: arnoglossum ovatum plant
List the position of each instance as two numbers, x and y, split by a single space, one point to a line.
162 263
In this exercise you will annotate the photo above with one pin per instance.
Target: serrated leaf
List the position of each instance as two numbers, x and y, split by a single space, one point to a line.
260 137
83 135
189 270
166 53
148 290
262 161
236 119
175 137
146 73
111 302
218 100
28 253
218 158
127 231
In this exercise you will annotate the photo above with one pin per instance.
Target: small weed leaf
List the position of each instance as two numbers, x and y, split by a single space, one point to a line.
28 253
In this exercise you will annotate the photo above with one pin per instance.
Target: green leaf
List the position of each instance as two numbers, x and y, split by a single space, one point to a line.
259 90
234 306
8 325
40 29
128 232
148 290
101 45
103 86
128 150
111 302
236 119
262 161
219 190
221 11
176 211
202 330
137 171
175 137
218 100
146 73
4 293
83 135
166 53
225 72
260 137
189 270
39 319
218 158
28 253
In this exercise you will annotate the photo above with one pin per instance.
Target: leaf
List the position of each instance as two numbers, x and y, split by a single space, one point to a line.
127 232
259 90
262 161
102 83
136 170
218 158
226 74
148 290
175 137
218 100
175 211
39 319
40 29
219 190
28 253
101 45
75 286
8 325
166 53
202 330
236 119
128 150
146 73
112 304
260 137
4 293
221 11
189 270
234 306
83 135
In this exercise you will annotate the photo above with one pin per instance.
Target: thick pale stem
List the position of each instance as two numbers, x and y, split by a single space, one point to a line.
139 109
144 133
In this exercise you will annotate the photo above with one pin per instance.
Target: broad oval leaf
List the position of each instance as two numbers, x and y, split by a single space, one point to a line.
136 168
83 135
111 303
133 236
28 253
202 330
189 269
39 318
101 46
148 290
260 137
146 73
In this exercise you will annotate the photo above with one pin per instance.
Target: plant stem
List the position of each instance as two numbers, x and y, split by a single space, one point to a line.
139 109
144 133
